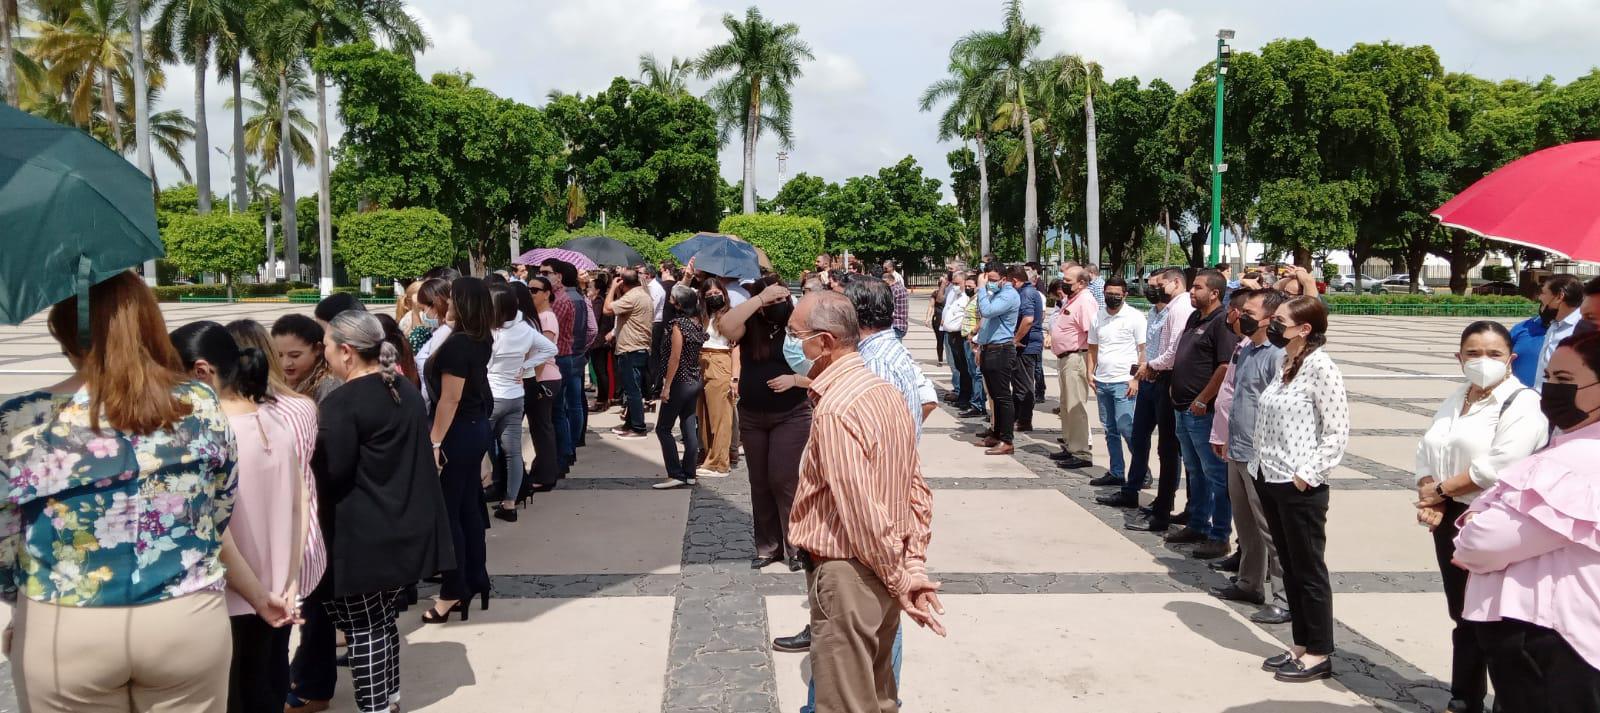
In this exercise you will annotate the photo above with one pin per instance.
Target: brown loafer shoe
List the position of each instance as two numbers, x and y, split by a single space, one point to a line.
987 443
1004 449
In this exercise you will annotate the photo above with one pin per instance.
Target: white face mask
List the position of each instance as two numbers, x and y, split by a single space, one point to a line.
1484 372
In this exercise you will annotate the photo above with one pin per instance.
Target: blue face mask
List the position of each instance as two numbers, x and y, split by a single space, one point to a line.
796 356
994 288
430 321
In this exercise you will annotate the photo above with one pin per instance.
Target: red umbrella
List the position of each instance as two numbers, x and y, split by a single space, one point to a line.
1549 200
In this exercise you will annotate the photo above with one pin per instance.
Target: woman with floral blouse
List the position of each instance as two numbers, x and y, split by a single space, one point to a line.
121 483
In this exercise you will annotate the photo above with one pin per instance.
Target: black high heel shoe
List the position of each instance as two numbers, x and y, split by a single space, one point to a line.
508 514
483 596
432 615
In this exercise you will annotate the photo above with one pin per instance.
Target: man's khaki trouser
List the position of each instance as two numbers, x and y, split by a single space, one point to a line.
853 623
1259 569
1072 378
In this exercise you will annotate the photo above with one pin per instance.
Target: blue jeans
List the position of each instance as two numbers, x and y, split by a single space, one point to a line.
1116 419
980 398
811 685
631 374
571 414
1210 511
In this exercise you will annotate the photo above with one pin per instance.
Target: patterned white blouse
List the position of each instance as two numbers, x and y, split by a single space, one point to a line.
1302 426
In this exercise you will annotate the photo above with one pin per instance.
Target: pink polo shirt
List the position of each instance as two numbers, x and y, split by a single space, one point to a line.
1070 332
1224 406
1533 543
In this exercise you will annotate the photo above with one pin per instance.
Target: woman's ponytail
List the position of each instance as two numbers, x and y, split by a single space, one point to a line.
251 378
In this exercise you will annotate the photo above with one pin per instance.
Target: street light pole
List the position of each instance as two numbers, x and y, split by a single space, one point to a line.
1224 53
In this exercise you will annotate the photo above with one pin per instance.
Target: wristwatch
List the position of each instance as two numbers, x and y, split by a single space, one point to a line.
1438 489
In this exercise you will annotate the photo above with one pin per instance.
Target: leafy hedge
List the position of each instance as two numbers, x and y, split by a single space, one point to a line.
225 243
394 243
790 241
1410 299
312 292
173 293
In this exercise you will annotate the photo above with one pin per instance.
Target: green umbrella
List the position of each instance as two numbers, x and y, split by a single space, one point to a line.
73 213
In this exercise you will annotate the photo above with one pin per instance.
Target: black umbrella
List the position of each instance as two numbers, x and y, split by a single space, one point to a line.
605 251
73 213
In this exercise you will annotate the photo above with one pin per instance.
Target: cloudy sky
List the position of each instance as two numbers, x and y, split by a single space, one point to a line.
856 106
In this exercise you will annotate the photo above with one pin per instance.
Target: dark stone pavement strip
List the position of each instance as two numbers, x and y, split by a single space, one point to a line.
1420 407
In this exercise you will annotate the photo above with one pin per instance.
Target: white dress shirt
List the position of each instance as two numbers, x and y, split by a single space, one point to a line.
1117 338
1559 330
1303 426
513 344
658 295
439 335
1492 434
955 310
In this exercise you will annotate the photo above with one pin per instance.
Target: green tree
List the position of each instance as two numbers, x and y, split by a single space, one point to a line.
791 242
895 214
85 54
394 244
192 30
972 104
670 79
222 243
1066 83
263 129
803 195
764 61
1005 57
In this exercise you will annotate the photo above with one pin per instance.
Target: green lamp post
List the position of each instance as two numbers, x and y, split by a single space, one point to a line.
1224 54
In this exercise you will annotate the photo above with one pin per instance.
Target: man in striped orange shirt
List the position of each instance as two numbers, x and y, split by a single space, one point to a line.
861 514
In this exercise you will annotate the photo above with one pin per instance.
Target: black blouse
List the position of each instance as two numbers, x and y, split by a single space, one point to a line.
462 356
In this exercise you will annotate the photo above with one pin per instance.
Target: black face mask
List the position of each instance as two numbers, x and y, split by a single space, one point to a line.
716 302
1559 402
1547 315
1276 336
1248 325
971 291
1113 302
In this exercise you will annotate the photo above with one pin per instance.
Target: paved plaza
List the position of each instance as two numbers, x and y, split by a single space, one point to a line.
613 597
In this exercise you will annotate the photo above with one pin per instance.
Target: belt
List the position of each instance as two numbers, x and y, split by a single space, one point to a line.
810 562
716 350
1073 351
998 346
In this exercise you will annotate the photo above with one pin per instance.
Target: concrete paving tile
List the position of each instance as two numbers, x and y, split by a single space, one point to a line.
1416 627
605 654
1419 388
1399 452
945 456
1085 652
1026 531
1347 473
1376 531
593 532
1367 415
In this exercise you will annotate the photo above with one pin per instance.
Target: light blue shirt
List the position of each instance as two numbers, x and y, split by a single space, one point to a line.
999 312
1154 322
887 357
1557 332
1097 287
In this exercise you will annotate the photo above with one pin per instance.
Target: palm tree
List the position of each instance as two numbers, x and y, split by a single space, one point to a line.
262 192
84 54
229 65
1005 57
192 30
764 60
263 128
670 79
1070 77
167 131
971 105
8 81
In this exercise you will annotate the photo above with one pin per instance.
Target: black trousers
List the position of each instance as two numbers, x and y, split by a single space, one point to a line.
998 363
373 644
681 409
960 356
657 363
1153 415
1298 521
464 447
937 323
545 466
312 674
1469 669
1022 385
773 443
605 374
1536 671
258 679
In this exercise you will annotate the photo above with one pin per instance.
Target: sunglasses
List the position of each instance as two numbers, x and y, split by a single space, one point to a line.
536 290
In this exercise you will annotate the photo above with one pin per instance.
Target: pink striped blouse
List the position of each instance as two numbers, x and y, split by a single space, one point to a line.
861 494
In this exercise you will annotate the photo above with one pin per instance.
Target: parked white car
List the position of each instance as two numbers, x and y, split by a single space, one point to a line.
1347 283
1399 282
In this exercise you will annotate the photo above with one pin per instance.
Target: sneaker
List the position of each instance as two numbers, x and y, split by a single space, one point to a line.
709 473
672 483
1186 536
693 481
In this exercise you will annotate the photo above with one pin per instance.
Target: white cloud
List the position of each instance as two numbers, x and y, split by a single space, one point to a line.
832 73
454 45
1529 22
1125 42
603 38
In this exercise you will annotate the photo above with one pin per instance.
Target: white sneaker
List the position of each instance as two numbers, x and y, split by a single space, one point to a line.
671 483
692 481
709 473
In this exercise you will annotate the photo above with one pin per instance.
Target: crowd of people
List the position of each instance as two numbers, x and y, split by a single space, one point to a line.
225 483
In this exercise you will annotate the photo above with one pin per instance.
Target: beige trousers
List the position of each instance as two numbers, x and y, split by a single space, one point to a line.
716 411
853 623
168 657
1072 379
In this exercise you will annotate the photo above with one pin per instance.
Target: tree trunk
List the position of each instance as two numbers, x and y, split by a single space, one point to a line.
1091 198
752 131
108 106
1357 259
141 111
241 199
324 201
1302 256
983 197
1030 195
272 257
1166 239
291 232
8 81
202 137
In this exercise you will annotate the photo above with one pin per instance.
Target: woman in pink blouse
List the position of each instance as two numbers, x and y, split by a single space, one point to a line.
1532 545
